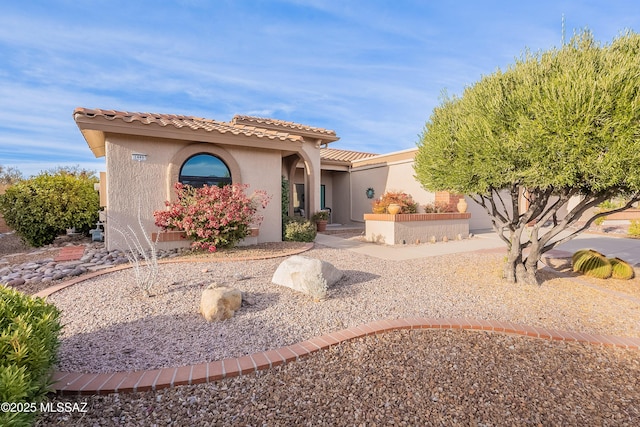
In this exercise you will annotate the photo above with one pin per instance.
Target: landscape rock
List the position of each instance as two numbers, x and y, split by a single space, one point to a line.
17 282
307 275
219 302
47 270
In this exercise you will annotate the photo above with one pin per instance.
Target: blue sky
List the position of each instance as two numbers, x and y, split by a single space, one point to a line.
371 70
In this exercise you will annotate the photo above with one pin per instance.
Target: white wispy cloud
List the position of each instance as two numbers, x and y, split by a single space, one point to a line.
372 70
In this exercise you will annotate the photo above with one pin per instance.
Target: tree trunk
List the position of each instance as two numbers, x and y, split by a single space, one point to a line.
517 270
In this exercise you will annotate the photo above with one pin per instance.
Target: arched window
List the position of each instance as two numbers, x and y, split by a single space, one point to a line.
204 169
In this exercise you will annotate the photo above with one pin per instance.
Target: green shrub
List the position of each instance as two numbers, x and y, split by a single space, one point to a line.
621 269
299 230
42 207
29 329
591 263
634 228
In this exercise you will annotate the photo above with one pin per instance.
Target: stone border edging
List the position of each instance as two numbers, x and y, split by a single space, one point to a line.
65 284
73 383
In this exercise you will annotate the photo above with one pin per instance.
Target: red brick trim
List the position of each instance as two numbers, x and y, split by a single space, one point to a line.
417 217
120 382
70 253
178 236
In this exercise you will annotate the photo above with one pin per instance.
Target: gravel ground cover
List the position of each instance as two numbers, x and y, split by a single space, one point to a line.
400 378
404 378
119 329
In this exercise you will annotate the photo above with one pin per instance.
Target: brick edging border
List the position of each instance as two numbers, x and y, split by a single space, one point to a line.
73 383
55 288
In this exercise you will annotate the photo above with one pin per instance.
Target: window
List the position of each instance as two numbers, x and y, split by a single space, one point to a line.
204 169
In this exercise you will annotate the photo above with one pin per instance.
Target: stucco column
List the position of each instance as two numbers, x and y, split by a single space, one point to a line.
311 156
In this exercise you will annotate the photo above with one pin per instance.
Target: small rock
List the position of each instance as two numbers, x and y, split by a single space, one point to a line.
219 303
17 282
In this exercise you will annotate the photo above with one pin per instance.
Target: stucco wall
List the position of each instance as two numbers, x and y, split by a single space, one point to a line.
361 179
341 198
399 176
133 185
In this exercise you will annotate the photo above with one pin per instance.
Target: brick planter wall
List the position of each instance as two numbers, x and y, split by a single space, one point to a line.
411 228
626 214
177 239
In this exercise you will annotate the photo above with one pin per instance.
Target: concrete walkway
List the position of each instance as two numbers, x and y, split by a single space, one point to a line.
412 251
624 248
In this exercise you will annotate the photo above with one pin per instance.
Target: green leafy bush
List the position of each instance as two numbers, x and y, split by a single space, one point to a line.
29 329
634 228
42 207
299 230
213 217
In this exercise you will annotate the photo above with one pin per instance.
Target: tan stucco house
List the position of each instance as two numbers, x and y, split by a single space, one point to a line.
146 154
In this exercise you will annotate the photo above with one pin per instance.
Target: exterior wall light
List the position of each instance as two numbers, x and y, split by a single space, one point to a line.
370 193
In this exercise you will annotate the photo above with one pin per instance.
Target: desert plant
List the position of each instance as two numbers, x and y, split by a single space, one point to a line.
621 269
579 255
634 228
501 143
592 263
42 207
145 273
406 202
299 230
29 329
317 287
213 217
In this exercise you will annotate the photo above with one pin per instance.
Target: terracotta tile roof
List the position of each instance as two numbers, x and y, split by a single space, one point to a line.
194 123
333 154
326 134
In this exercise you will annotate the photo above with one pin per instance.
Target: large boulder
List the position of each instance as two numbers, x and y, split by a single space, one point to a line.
219 302
307 275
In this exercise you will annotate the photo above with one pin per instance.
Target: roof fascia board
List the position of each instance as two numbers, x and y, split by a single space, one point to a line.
398 156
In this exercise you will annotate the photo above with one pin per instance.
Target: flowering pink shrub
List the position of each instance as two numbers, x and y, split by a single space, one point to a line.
213 217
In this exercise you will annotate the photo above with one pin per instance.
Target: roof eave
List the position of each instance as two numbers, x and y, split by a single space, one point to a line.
94 129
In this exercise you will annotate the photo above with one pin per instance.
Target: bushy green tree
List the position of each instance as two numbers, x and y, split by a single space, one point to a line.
42 207
558 129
